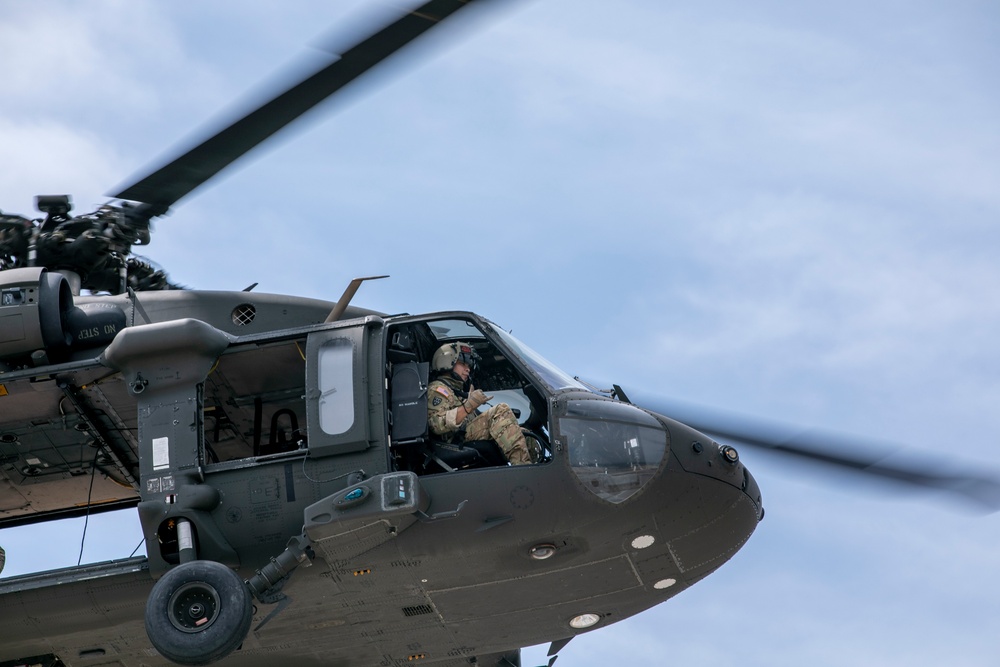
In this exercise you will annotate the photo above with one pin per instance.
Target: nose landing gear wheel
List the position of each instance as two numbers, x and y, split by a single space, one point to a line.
198 612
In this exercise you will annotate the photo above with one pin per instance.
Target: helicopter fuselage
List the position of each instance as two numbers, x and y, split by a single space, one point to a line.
242 426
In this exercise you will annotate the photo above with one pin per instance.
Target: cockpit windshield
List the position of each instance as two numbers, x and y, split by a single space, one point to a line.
550 374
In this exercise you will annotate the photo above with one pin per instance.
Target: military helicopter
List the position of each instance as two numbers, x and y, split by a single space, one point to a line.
242 371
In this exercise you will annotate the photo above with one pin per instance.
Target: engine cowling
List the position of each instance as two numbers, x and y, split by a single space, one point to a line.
37 314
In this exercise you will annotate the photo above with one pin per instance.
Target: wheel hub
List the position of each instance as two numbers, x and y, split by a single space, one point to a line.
193 607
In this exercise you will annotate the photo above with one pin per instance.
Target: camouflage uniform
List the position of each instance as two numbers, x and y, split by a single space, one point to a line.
445 397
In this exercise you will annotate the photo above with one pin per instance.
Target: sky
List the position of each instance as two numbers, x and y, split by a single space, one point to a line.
785 210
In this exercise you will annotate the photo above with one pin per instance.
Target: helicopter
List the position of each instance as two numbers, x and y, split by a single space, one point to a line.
276 619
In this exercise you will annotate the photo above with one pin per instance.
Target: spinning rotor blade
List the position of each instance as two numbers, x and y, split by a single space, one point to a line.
165 186
848 453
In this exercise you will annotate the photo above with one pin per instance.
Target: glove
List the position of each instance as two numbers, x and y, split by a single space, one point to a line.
476 398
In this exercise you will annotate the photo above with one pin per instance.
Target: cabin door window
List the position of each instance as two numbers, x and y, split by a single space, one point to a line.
335 376
337 401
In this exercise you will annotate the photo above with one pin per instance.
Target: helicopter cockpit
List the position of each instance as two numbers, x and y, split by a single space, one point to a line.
411 344
613 448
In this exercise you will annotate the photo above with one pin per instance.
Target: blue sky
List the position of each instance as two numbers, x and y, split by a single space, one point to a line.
787 210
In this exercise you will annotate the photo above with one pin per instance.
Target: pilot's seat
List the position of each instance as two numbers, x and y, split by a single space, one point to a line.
413 447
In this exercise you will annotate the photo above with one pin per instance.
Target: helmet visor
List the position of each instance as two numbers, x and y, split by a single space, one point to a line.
467 356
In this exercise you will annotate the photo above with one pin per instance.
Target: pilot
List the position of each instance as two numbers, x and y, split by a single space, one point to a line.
453 405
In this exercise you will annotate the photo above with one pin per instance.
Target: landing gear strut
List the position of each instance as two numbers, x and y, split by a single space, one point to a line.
198 612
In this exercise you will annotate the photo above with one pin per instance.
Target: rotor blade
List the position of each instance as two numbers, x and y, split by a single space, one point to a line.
165 186
849 453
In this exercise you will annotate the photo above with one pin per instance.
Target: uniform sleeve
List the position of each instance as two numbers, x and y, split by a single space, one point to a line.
442 408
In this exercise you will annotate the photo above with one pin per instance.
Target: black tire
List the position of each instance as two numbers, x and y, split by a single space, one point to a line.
198 612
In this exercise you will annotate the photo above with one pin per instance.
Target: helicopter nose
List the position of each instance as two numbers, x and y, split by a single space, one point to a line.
616 448
699 454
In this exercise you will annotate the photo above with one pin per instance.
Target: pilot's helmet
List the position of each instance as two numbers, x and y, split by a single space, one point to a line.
450 353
